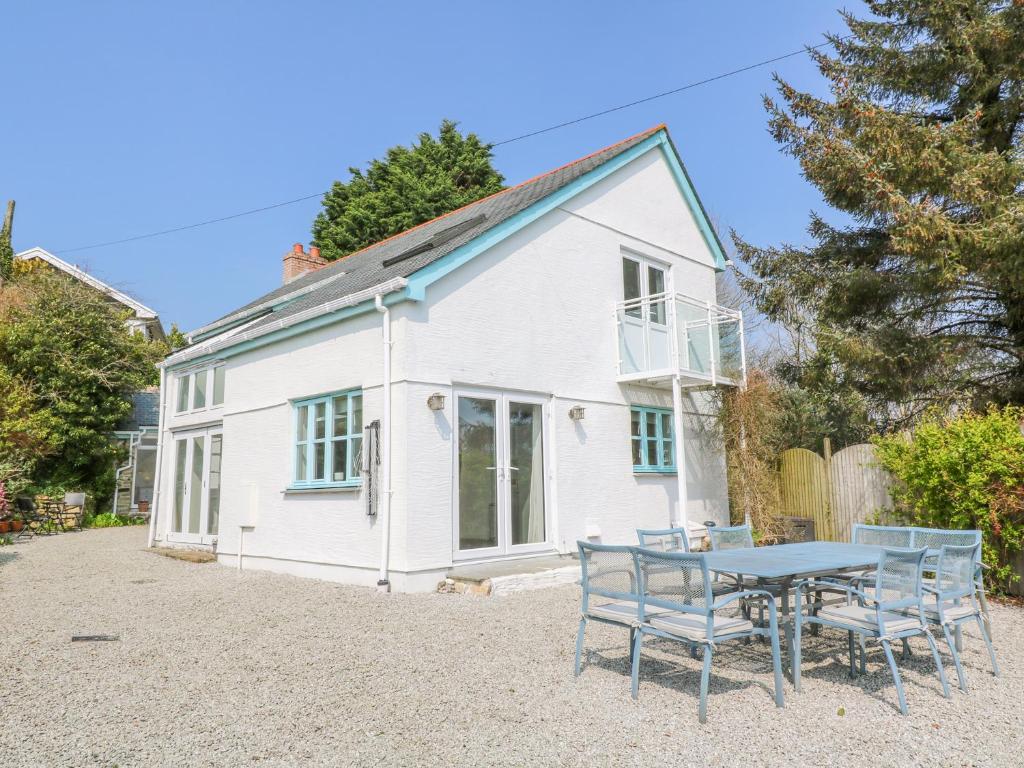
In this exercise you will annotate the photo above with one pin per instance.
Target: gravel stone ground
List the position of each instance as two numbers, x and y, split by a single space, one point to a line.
215 668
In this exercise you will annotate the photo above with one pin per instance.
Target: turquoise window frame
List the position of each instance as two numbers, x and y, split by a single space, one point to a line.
661 441
352 438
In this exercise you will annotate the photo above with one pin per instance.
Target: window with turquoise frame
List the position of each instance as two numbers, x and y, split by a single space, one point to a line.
651 437
328 439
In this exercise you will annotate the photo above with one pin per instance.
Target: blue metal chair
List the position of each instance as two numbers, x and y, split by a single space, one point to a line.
935 539
664 539
731 537
882 535
955 601
608 573
677 603
881 615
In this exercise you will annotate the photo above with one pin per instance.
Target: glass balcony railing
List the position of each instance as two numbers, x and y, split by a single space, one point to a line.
664 335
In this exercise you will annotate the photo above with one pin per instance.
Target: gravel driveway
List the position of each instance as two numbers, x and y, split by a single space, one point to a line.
219 669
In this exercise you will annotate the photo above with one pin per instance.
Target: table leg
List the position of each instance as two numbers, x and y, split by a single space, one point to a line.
786 623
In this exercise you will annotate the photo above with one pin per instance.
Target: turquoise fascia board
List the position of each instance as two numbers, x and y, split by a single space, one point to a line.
419 281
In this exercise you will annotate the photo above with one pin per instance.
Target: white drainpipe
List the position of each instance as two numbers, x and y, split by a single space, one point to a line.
159 453
383 584
680 452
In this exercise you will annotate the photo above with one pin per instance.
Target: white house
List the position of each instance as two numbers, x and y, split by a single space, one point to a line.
526 371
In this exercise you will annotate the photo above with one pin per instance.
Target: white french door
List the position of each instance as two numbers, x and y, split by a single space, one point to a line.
501 481
197 482
646 343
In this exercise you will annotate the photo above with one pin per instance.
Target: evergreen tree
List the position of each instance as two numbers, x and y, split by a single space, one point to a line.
921 297
409 186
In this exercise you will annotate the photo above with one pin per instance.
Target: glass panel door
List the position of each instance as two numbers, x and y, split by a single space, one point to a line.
526 472
197 485
501 503
477 474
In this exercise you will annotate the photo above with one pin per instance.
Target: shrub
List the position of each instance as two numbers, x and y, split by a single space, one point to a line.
107 520
964 471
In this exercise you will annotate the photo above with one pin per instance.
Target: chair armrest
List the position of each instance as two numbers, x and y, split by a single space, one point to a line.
821 585
733 596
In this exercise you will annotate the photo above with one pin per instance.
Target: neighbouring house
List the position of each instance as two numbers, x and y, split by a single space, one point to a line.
138 433
529 370
141 318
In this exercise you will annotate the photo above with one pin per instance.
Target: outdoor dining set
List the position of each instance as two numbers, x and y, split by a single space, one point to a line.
44 515
888 585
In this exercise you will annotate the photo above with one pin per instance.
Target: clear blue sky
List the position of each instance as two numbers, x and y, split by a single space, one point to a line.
123 118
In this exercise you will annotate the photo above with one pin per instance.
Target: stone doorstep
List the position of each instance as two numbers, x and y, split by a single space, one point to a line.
188 555
495 586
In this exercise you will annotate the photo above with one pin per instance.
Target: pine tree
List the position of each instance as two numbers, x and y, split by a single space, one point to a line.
409 186
921 297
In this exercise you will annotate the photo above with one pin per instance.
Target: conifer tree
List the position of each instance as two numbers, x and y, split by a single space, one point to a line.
920 297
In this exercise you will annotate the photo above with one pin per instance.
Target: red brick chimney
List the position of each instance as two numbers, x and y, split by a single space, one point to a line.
297 262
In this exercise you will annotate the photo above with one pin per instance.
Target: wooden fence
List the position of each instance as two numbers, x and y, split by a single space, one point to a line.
836 491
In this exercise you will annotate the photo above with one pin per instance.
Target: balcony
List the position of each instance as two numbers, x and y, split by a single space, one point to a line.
664 335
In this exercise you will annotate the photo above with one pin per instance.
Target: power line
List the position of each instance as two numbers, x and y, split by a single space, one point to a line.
531 134
663 94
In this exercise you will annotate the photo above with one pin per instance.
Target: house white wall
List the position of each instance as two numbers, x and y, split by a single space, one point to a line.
533 314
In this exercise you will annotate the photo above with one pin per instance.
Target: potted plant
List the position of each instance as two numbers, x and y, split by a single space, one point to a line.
5 509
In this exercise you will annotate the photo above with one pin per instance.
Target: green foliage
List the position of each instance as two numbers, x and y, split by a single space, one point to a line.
6 248
921 299
964 472
110 520
176 339
409 186
67 367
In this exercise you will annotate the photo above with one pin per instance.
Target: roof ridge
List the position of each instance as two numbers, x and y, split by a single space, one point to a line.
538 177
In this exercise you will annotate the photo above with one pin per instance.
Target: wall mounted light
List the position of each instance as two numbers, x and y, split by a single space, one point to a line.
576 413
436 402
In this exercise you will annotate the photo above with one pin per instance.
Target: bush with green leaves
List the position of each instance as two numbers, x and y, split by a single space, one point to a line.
966 472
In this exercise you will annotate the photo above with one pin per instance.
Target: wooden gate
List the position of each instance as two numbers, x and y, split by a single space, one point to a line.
835 491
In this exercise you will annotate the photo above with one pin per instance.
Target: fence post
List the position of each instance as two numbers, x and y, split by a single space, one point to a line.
831 533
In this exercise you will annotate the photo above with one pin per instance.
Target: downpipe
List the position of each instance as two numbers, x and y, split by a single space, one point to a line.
383 583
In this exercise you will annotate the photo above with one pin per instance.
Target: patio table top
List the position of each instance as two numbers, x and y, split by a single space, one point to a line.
786 561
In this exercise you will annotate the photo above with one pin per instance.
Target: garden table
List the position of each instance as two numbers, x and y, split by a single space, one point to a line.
783 564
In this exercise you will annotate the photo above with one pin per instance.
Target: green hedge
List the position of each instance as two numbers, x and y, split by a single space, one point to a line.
964 471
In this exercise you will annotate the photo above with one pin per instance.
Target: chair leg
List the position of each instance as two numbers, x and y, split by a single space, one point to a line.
988 644
632 642
958 635
579 644
863 655
795 658
780 700
705 678
895 675
906 648
815 600
983 601
853 655
961 678
938 663
637 641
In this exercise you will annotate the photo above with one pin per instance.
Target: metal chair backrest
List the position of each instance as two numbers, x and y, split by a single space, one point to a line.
731 537
678 581
74 499
664 539
935 538
882 535
608 571
898 579
954 575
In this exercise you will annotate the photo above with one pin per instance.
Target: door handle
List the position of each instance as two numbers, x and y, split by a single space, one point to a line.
514 469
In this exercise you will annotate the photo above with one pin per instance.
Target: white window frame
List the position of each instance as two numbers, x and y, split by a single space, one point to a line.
189 379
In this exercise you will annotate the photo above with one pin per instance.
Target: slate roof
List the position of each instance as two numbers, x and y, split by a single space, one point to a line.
422 245
145 412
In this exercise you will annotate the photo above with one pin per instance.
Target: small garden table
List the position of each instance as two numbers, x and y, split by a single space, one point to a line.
784 564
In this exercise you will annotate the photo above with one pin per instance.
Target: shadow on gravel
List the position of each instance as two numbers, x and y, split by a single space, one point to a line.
7 557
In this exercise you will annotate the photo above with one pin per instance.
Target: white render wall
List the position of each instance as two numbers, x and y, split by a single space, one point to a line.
533 314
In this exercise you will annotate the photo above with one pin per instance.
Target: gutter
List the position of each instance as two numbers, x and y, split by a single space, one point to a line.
218 343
